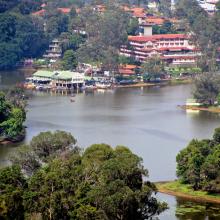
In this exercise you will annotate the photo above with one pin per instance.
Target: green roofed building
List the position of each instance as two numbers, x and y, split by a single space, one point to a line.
59 79
44 74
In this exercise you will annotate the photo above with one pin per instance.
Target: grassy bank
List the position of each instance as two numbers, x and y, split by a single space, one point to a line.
181 81
175 188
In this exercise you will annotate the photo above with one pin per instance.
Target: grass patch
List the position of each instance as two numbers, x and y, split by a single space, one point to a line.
180 81
178 188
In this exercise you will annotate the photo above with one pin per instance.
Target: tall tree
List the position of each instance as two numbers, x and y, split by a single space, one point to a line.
101 184
153 67
69 61
106 33
12 187
198 164
207 88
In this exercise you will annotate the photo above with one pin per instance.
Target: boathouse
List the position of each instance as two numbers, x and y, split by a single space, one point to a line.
42 77
68 80
59 79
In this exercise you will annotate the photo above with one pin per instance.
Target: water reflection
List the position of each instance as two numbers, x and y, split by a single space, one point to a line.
182 209
196 211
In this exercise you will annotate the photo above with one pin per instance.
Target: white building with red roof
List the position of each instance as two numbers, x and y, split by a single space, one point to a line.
175 49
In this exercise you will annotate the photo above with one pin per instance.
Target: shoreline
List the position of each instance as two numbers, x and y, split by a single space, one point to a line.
166 187
163 83
204 109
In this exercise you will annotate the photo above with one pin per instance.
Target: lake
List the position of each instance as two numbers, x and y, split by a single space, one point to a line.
147 120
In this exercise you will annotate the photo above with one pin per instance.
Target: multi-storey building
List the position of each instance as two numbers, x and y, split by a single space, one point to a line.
175 49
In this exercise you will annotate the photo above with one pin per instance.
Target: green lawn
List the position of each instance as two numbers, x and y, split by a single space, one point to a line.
186 189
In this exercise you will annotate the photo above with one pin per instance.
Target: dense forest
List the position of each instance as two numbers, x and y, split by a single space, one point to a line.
204 29
199 164
12 115
20 35
52 178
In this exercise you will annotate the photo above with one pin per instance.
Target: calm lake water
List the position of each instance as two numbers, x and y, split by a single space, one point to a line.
146 120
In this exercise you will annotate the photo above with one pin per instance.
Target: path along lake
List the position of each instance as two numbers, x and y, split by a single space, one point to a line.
147 120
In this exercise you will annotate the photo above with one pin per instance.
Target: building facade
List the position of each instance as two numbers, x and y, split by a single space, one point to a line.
175 49
54 52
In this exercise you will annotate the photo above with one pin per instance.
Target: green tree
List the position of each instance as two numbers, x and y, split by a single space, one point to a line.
48 144
29 6
71 41
5 107
102 183
207 88
153 67
132 26
6 5
26 159
12 128
12 187
199 163
20 38
103 41
69 61
166 28
165 7
55 22
205 31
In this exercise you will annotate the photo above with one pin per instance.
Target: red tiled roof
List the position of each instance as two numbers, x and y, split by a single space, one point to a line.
157 37
64 10
158 21
126 71
128 66
139 15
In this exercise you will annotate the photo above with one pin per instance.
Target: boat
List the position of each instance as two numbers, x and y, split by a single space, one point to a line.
101 85
29 86
90 87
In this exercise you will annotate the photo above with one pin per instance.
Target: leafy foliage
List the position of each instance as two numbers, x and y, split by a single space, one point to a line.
198 164
20 38
12 187
153 67
106 32
12 115
166 28
100 183
207 88
205 31
69 61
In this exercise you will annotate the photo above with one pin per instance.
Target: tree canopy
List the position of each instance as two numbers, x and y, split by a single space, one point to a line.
99 183
207 88
199 164
153 67
20 37
106 32
12 115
